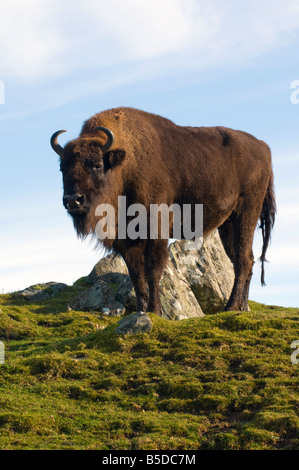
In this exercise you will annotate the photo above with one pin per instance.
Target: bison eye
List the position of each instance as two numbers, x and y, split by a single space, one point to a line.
97 166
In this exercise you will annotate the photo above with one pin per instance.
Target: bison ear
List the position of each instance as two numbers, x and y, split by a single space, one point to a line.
113 158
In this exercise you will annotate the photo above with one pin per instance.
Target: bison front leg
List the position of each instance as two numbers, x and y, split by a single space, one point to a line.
156 255
134 258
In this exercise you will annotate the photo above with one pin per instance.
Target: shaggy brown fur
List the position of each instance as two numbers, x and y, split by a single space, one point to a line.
154 161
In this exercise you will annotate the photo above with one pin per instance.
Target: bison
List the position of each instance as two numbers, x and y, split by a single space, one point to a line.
151 160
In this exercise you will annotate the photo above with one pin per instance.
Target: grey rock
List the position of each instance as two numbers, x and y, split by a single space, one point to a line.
138 322
125 293
100 297
208 271
177 299
44 291
108 269
113 270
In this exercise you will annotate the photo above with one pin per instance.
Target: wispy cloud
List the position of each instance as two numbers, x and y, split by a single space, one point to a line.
29 41
58 51
45 40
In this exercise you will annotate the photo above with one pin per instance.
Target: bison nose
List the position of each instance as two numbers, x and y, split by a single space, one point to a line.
76 201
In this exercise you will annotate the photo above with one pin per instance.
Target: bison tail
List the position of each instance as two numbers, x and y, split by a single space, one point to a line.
267 219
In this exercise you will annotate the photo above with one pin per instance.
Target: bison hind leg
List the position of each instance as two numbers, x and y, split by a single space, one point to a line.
226 232
237 238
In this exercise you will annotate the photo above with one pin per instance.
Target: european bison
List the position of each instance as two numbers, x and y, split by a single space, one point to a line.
151 160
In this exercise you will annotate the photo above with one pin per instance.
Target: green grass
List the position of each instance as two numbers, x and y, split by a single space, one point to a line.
225 381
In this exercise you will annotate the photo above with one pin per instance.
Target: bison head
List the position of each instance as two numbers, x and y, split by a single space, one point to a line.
86 165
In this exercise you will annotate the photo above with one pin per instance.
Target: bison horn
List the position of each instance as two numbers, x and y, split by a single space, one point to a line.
110 138
55 145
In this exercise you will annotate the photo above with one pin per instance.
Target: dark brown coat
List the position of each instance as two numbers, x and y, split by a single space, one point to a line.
154 161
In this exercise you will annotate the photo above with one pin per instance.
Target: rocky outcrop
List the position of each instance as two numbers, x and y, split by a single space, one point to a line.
106 268
113 271
208 271
100 298
44 291
195 282
178 300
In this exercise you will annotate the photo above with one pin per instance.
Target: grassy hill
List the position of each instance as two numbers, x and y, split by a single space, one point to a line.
225 381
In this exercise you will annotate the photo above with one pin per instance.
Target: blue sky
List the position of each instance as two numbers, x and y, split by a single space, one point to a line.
195 62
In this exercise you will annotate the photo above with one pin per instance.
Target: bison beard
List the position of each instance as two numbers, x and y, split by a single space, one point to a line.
150 160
